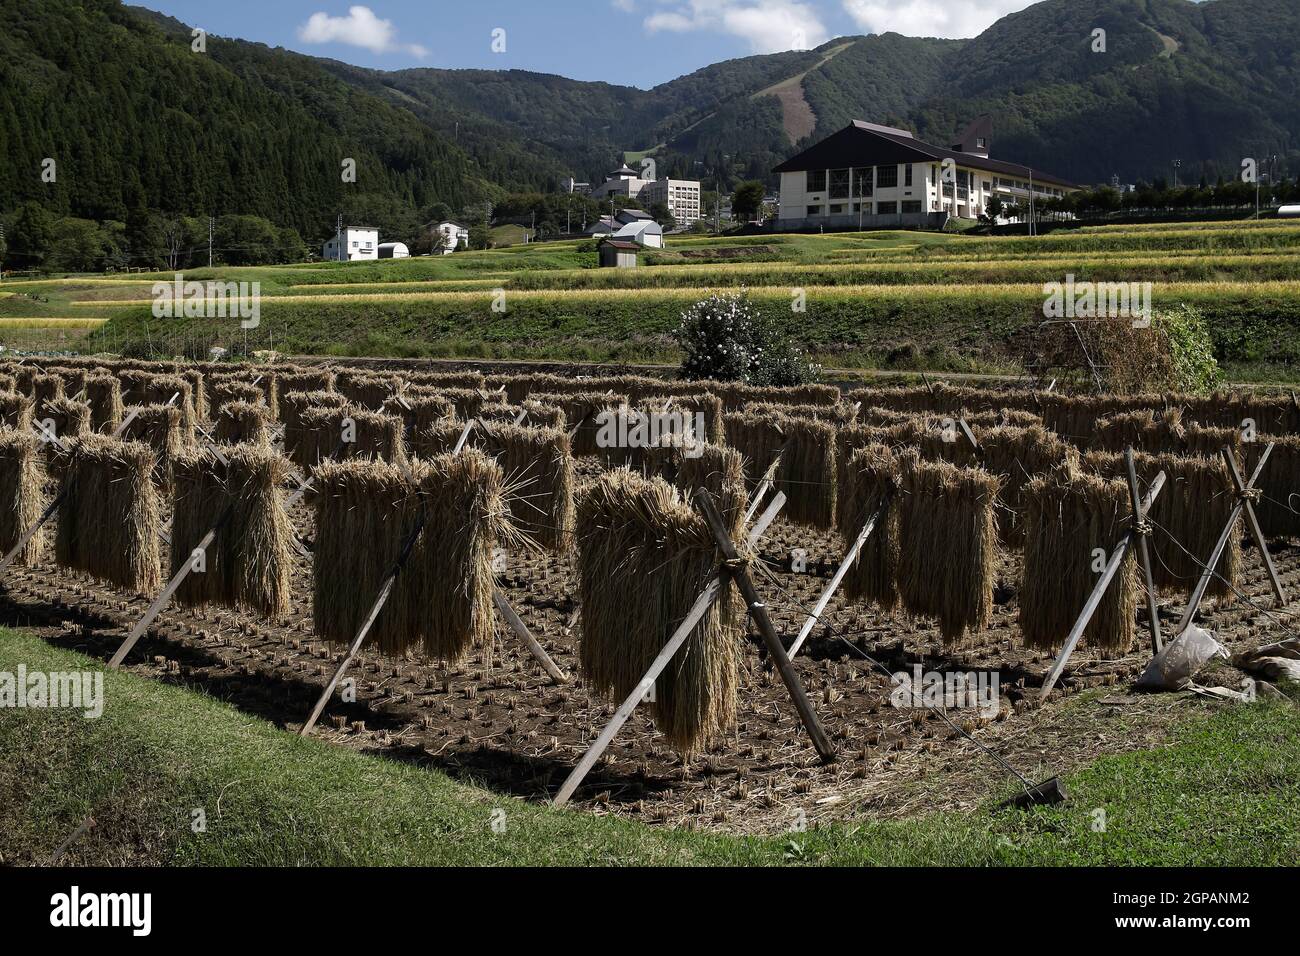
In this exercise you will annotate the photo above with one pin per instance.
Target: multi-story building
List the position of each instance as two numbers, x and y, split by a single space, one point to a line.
681 196
870 176
352 243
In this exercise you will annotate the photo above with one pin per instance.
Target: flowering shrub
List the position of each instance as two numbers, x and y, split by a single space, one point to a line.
727 338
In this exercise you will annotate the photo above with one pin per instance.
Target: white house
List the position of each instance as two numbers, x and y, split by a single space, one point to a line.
681 196
352 244
870 176
454 235
631 225
394 250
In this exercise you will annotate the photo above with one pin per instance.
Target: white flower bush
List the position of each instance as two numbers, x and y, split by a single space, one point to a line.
726 337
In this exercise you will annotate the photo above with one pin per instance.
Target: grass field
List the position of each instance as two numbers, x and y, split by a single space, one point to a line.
1225 790
891 300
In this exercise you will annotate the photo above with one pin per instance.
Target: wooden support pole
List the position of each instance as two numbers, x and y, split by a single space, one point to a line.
1144 552
1207 570
521 630
1098 592
1252 521
766 482
162 600
657 667
840 572
385 590
758 609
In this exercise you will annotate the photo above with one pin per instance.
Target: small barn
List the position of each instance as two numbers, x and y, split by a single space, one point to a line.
394 250
618 254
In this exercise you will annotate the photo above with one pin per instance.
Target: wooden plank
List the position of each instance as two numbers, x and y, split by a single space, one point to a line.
657 667
1144 553
1094 599
840 572
521 630
758 609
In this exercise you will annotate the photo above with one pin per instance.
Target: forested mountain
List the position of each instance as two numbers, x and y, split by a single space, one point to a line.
137 122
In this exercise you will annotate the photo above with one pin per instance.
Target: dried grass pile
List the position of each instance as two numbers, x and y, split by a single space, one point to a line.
104 396
16 412
808 471
248 564
419 411
871 476
22 485
109 521
227 391
582 411
645 555
159 427
539 474
243 423
1068 514
8 383
948 544
365 512
1189 516
323 432
69 419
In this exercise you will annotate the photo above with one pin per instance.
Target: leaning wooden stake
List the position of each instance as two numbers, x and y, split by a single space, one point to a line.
1112 566
521 631
740 574
1143 528
660 663
765 483
1207 569
385 590
815 615
1248 495
164 598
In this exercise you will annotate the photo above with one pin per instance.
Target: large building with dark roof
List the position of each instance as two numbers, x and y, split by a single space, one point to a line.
870 176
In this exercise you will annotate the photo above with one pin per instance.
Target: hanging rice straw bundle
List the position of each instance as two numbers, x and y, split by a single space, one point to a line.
243 423
440 438
1189 516
226 391
144 388
294 379
948 544
368 391
64 418
836 414
8 384
109 521
471 380
1017 456
542 415
198 392
1278 508
104 396
46 388
468 401
293 404
645 556
22 484
16 412
808 469
466 518
1069 514
365 512
419 411
159 427
346 433
721 472
539 476
581 411
870 478
248 565
74 379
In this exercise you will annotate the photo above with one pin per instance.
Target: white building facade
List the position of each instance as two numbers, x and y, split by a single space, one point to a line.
354 243
869 176
681 196
454 236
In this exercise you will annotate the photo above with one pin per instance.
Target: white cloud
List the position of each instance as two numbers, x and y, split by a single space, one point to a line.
359 28
769 26
931 18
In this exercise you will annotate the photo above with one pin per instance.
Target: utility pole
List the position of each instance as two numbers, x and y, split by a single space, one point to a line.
1178 164
212 225
1033 214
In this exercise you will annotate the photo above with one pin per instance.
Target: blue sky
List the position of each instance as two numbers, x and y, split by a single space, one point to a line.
631 42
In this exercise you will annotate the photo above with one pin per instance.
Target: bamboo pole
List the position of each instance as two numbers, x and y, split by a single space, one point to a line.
1144 552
